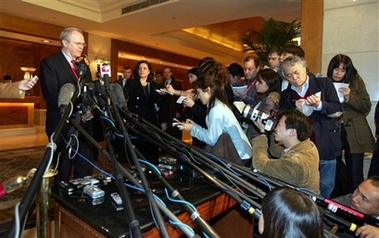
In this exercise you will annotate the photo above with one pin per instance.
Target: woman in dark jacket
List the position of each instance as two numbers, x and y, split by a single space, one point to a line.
143 101
356 135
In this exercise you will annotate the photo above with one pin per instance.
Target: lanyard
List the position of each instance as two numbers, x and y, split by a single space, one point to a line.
251 85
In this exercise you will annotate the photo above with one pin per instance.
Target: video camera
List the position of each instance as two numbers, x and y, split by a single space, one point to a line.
252 114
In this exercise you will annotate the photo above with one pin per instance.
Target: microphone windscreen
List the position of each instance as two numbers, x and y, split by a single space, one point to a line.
82 68
83 59
90 86
65 94
118 93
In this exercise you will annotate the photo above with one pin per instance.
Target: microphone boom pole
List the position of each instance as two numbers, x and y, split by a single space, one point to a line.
130 214
242 199
36 181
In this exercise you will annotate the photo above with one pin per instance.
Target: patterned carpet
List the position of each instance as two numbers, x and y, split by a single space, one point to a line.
17 163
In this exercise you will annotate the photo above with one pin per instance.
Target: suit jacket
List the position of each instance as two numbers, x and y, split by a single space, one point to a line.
143 103
326 132
10 90
299 166
358 131
55 72
124 88
170 107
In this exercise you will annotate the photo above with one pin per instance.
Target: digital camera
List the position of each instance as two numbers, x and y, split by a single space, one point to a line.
248 112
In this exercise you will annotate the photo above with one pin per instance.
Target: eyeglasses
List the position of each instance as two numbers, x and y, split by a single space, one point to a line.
79 43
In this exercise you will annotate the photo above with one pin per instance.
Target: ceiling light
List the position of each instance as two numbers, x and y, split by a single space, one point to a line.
135 57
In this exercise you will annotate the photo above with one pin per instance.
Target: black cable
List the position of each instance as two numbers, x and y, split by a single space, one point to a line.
36 181
204 226
267 181
134 225
131 178
150 130
157 215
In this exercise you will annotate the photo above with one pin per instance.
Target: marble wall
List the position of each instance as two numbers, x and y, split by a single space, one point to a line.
351 27
99 47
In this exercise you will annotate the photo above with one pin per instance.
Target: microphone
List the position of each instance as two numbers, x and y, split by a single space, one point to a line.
117 91
65 95
83 59
82 62
105 73
15 183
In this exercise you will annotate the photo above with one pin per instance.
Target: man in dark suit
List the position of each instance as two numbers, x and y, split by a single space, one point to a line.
170 108
316 98
56 71
127 76
118 143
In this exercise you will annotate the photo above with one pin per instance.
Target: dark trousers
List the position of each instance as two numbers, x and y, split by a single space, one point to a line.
354 163
77 165
149 151
81 164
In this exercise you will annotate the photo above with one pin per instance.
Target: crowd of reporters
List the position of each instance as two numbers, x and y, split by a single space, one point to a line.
285 122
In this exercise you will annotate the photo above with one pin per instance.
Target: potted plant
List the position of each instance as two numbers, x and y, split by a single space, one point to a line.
274 32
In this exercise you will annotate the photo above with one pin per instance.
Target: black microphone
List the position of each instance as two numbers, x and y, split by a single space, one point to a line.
82 62
117 91
65 95
105 72
91 95
83 59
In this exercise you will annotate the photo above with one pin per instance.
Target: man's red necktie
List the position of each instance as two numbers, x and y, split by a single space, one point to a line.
74 68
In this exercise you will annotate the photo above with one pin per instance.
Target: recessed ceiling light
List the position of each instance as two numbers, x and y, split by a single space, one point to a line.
46 41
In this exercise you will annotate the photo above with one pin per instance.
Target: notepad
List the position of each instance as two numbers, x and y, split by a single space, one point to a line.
240 89
337 86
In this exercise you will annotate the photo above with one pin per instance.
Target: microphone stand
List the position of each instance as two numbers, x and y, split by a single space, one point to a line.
188 232
331 211
129 212
250 174
189 209
157 215
128 175
148 128
36 181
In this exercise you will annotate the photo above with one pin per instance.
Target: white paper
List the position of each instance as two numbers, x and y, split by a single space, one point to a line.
163 91
306 109
180 99
337 86
240 89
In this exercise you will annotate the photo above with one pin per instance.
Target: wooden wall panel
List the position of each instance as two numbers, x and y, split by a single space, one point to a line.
117 46
177 73
13 116
16 54
312 15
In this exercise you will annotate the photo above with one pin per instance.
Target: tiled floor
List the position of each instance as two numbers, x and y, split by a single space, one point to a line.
40 139
27 141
